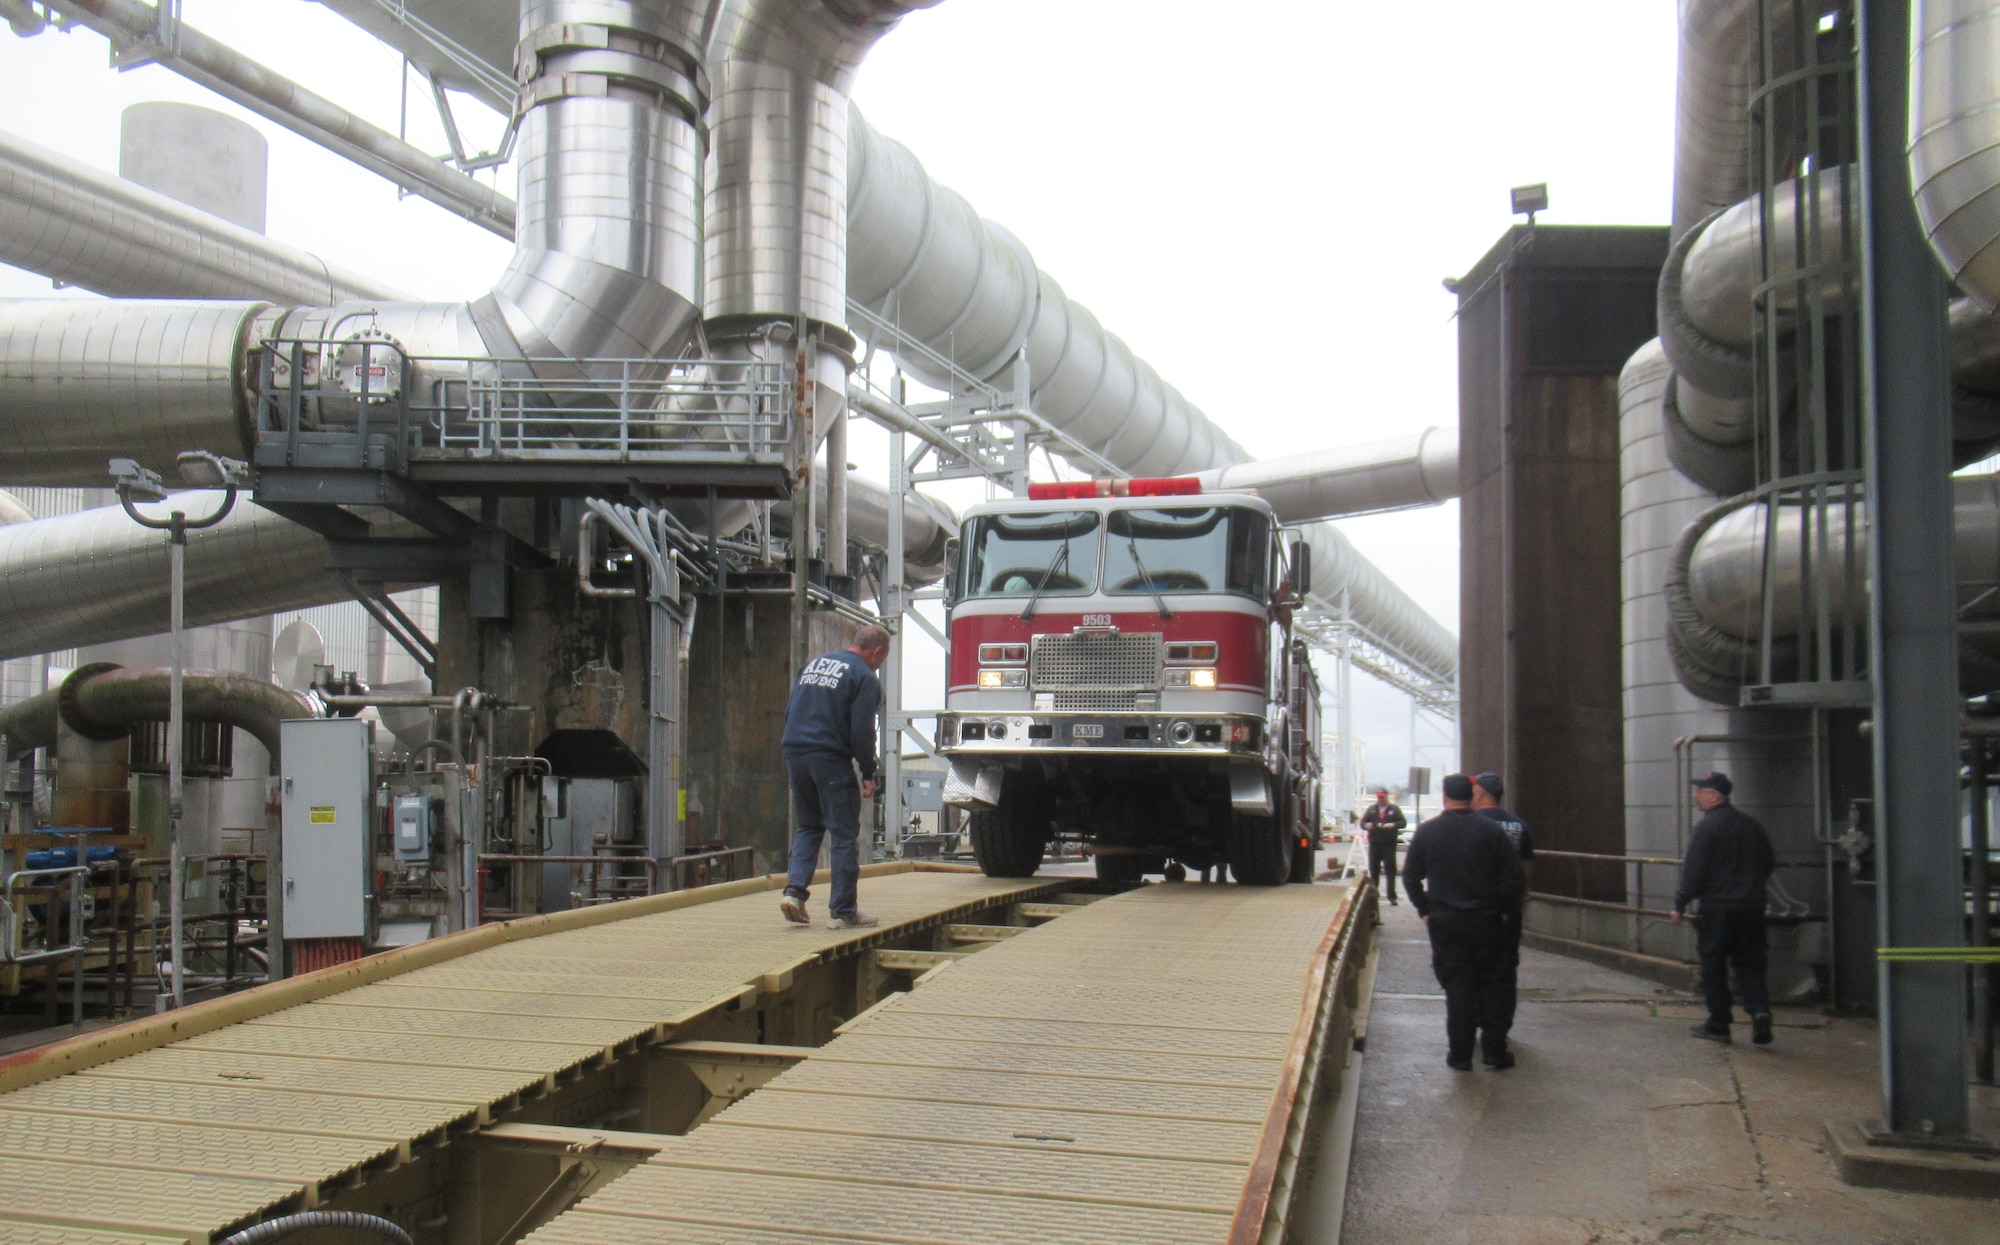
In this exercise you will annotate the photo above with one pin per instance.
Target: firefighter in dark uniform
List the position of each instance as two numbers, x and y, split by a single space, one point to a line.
1487 789
1729 860
1463 874
1383 823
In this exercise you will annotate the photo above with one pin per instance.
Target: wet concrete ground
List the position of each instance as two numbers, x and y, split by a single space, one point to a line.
1617 1127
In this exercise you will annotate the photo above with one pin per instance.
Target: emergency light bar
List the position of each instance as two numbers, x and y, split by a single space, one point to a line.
1158 486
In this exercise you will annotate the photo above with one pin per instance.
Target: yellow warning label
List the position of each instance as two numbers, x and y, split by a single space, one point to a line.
322 815
684 803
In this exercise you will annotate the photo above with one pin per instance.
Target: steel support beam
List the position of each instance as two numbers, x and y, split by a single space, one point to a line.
1913 607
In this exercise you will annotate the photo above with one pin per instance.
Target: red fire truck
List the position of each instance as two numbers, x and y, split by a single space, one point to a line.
1123 672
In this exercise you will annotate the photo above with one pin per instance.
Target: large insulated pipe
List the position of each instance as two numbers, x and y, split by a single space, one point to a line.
84 227
1955 138
95 576
105 701
1717 69
970 292
1395 474
1376 603
924 536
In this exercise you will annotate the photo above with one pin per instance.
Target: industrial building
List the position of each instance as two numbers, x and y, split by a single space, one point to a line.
391 690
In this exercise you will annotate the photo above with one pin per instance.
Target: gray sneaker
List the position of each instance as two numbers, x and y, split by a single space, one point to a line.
794 909
854 920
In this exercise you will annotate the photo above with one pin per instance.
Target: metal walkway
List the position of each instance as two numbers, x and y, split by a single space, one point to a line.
178 1127
1135 1071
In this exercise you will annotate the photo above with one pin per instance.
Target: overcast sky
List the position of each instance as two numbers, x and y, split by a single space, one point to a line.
1262 200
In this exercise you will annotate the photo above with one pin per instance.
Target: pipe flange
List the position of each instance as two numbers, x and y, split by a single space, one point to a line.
71 711
1715 368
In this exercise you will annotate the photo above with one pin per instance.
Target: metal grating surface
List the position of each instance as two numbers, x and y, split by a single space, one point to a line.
1101 1079
1095 662
178 1142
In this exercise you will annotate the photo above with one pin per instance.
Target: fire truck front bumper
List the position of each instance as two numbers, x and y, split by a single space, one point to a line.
976 735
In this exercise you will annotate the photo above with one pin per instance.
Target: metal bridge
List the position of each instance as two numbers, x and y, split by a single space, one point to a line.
998 1061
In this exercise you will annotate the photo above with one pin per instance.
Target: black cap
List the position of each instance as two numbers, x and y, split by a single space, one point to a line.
1716 782
1457 787
1490 782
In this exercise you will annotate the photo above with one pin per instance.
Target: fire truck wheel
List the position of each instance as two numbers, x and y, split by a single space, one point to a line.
1260 850
1009 841
1302 863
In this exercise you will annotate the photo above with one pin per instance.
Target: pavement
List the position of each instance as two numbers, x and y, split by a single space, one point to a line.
1616 1127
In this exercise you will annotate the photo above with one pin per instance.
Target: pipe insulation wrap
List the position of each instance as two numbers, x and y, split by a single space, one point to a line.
1394 474
777 193
95 576
85 227
1954 145
100 703
969 290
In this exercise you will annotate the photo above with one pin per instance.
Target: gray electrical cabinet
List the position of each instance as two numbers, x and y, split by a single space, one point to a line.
329 774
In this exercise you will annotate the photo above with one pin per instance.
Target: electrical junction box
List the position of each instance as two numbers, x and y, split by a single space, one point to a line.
326 825
413 827
923 793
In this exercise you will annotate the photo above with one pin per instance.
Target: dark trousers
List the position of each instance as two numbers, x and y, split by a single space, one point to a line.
1731 937
1382 863
827 798
1509 970
1467 951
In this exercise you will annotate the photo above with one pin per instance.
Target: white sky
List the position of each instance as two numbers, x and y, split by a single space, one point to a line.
1260 199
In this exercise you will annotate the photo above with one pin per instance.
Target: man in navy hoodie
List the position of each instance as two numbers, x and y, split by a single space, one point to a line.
829 734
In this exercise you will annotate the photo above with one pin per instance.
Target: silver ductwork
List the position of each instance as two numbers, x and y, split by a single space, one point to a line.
1955 138
922 258
1395 474
926 526
606 264
84 227
1717 70
96 576
98 702
1375 602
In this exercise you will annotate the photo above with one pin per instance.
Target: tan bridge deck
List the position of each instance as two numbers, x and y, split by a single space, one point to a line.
1133 1071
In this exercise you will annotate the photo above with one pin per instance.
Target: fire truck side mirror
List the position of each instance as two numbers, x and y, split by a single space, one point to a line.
1302 568
951 572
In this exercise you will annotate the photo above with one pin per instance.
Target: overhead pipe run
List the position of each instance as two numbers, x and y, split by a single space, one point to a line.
1954 139
83 227
1396 474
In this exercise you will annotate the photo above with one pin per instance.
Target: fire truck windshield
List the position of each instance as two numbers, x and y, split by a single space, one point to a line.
1020 555
1205 549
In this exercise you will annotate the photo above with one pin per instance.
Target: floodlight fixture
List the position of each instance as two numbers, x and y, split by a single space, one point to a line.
136 483
1529 200
202 469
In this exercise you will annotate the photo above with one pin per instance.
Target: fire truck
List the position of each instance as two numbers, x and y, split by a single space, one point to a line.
1123 672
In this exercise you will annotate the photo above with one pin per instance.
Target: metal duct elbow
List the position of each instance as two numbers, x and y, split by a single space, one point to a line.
83 381
778 181
95 576
1954 146
967 289
84 227
1395 474
607 259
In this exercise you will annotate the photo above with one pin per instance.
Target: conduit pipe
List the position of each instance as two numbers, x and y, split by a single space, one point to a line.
1395 474
81 226
606 264
967 289
235 77
95 576
1954 146
99 703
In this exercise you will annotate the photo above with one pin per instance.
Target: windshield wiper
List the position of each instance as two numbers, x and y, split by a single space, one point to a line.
1132 546
1048 572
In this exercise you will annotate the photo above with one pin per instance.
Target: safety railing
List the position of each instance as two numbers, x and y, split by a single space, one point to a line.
1583 869
704 868
366 403
12 924
598 884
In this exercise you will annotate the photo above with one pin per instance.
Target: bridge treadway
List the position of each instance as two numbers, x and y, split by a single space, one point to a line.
1104 1078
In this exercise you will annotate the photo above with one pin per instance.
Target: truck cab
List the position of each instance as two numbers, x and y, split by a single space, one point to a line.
1123 672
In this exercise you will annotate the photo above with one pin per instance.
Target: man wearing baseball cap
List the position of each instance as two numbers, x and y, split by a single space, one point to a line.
1383 823
1486 792
1729 860
1461 874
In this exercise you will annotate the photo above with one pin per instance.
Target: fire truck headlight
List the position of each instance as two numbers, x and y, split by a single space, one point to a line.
1202 676
1003 678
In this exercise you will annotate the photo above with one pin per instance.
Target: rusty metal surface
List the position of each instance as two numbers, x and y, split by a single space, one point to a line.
1109 1076
179 1141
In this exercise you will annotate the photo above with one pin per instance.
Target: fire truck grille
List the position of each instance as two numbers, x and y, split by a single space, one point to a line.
1088 672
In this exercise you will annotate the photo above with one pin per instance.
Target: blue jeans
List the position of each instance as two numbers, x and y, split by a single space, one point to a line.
827 798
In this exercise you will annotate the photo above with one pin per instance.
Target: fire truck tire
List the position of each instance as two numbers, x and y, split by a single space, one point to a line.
1302 863
1009 841
1260 850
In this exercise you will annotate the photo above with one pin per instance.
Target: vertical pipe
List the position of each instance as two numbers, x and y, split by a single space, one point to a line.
836 493
1912 607
1344 795
176 728
892 670
1982 934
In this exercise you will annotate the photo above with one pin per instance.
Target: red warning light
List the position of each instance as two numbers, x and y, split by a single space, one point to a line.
1157 486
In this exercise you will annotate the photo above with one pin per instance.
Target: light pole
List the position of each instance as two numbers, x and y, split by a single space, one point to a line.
135 483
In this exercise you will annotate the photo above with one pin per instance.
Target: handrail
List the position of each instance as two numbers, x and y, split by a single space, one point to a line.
11 952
